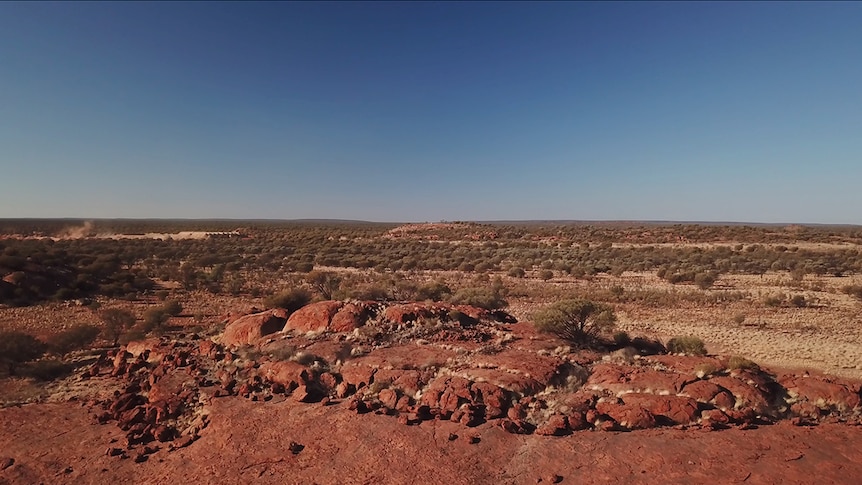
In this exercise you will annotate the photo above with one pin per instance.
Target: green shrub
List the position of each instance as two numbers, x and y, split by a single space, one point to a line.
74 338
737 362
154 319
305 267
461 317
373 292
853 290
434 291
516 272
705 280
324 283
487 298
579 321
17 348
134 334
773 300
172 307
622 339
47 370
705 369
686 345
798 301
291 300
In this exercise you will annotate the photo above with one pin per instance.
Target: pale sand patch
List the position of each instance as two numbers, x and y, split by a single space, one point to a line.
771 347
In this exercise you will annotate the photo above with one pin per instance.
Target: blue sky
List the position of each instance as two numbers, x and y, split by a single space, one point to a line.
432 111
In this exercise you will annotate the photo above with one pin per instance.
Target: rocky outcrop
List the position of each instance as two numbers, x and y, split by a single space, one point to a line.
249 329
416 312
475 375
813 397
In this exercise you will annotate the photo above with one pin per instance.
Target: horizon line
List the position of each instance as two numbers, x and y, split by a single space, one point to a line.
442 221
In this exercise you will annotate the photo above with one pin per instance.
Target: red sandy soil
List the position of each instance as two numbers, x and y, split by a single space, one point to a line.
246 441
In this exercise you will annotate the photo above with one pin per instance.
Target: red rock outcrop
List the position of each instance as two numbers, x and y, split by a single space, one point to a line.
831 394
352 316
619 379
333 316
249 329
674 409
628 416
414 312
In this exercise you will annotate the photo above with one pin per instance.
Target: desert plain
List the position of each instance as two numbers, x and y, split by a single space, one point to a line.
347 352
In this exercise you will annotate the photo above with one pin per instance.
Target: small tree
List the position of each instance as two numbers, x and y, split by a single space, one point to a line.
579 321
324 283
116 322
17 348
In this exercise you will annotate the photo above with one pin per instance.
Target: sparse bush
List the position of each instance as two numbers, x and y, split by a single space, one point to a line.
172 307
369 292
705 280
47 370
737 362
487 298
134 334
74 338
154 320
705 369
291 300
686 345
17 348
305 267
461 317
516 272
117 321
546 274
798 274
798 301
434 291
324 283
622 339
579 321
853 290
739 318
773 300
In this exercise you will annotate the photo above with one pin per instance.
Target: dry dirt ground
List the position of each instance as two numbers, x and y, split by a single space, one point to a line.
247 442
826 335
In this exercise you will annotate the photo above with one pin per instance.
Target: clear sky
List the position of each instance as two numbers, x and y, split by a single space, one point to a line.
432 111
